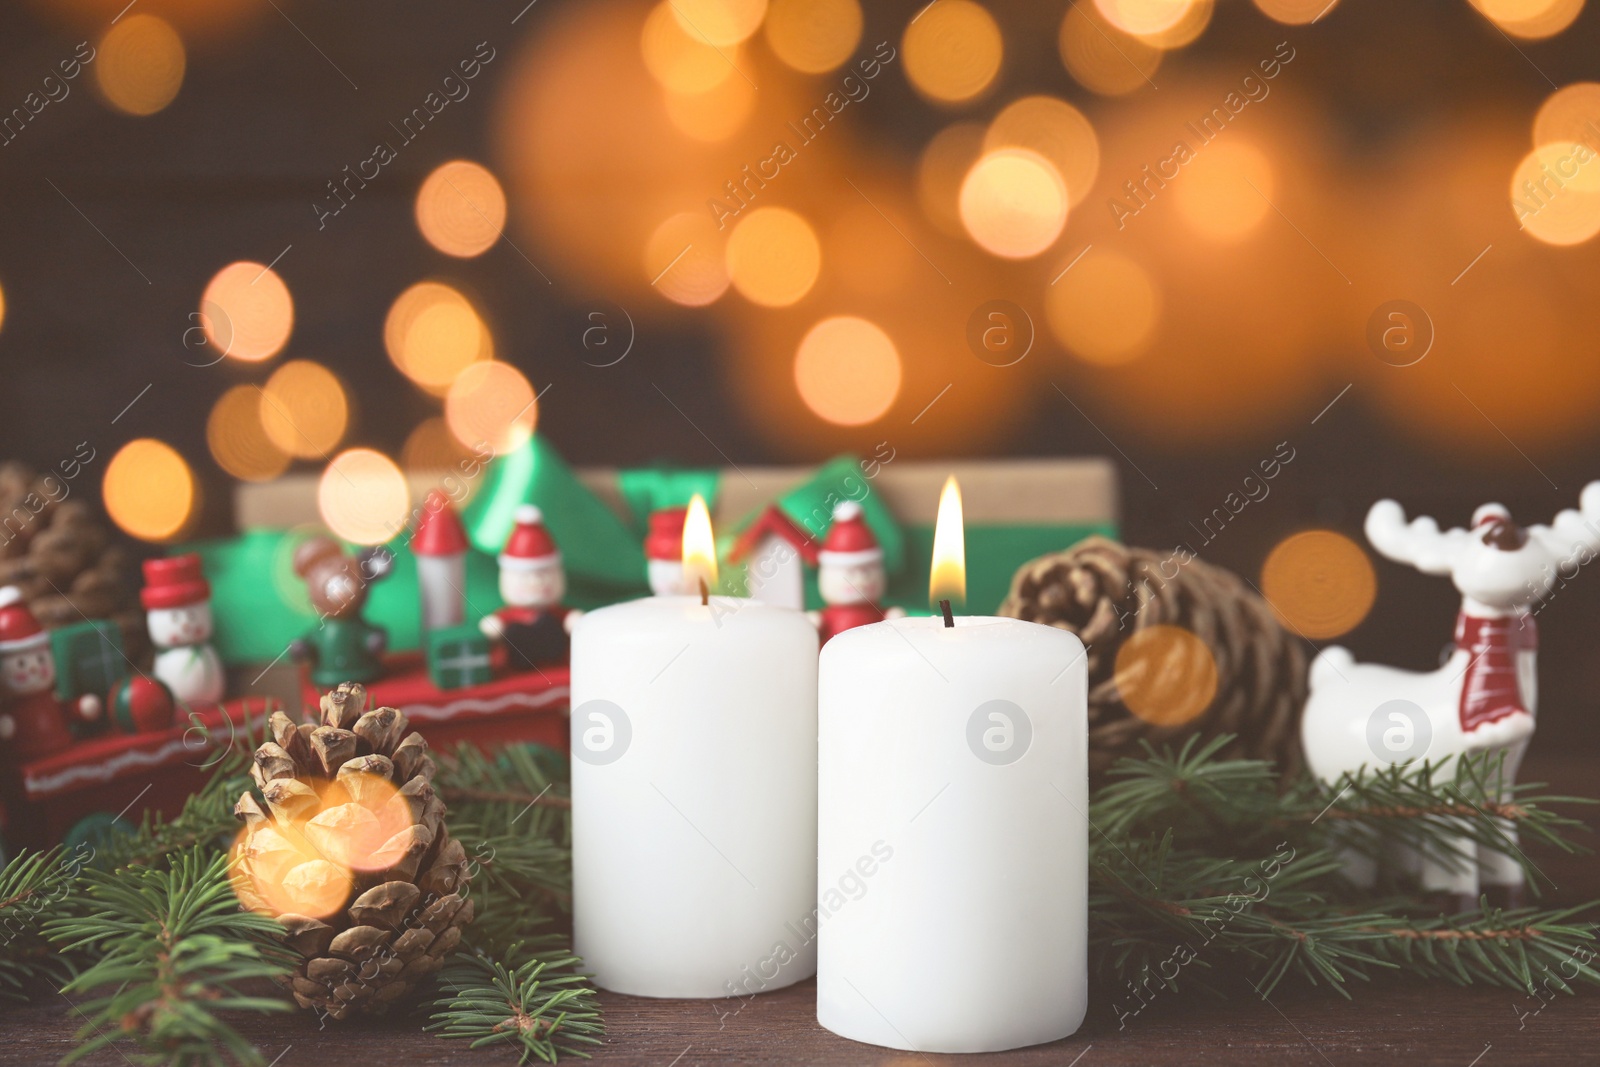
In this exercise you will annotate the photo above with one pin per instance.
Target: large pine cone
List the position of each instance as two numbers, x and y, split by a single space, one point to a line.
350 853
1105 592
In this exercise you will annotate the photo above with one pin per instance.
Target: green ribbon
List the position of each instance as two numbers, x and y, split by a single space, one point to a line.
648 489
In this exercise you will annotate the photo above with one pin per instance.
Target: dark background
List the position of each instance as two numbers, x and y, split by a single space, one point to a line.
97 303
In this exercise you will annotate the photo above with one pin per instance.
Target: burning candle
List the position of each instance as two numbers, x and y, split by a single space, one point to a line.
953 800
694 789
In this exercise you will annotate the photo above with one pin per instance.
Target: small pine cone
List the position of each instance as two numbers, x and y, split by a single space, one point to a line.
1105 592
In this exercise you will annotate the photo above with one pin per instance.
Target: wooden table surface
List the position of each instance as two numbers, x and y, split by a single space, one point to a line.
1391 1022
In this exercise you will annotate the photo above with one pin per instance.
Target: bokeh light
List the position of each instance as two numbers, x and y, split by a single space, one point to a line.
1530 19
149 491
952 50
1165 675
362 497
847 370
1101 57
303 409
1103 308
1055 130
943 167
2 308
719 22
275 872
714 115
1225 191
1555 193
773 256
139 64
238 441
1190 25
1320 583
246 312
685 260
813 36
431 447
433 333
680 61
1143 17
1013 203
461 209
491 405
1295 12
1571 115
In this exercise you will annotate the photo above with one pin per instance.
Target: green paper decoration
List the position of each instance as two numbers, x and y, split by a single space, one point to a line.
458 656
648 489
810 506
89 658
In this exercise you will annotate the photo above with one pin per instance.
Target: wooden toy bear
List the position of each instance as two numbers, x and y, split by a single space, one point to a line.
344 646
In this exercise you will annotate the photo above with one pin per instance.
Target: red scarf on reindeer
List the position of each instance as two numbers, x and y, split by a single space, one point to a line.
1490 691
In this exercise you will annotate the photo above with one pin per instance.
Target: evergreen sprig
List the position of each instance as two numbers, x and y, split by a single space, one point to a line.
541 1007
173 948
35 888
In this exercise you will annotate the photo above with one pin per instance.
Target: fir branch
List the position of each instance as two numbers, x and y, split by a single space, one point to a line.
35 888
174 948
540 1006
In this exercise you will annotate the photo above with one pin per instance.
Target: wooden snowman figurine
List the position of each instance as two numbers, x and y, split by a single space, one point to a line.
850 575
177 604
33 723
663 550
533 624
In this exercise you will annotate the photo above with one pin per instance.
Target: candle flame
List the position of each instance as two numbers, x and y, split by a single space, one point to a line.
947 580
699 548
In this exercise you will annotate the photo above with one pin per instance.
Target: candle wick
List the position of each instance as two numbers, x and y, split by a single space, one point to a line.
949 620
705 594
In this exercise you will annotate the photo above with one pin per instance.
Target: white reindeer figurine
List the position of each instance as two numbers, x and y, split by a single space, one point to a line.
1482 698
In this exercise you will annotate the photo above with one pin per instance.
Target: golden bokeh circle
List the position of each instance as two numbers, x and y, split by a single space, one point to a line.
773 256
714 115
1101 57
847 370
1144 18
1530 19
362 497
1013 203
1320 583
1570 115
1104 308
678 61
2 308
1226 191
1165 675
149 491
238 441
953 50
685 259
720 23
1055 130
431 447
246 312
813 36
1555 193
942 168
461 209
1295 12
432 333
491 406
139 65
303 409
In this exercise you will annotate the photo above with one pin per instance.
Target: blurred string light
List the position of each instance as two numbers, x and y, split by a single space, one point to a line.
433 333
1191 24
491 406
246 312
952 50
1013 203
1104 308
149 491
1571 115
685 261
1144 18
430 446
1165 675
1530 19
1055 130
1226 190
813 36
461 209
773 257
2 308
714 115
847 370
1320 583
680 60
1102 58
238 441
720 23
1295 12
943 167
1555 193
303 409
139 64
362 497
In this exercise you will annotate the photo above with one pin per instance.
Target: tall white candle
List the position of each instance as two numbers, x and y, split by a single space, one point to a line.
694 792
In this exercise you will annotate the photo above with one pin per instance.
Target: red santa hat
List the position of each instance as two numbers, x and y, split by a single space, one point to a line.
19 630
174 582
529 545
439 530
849 542
665 543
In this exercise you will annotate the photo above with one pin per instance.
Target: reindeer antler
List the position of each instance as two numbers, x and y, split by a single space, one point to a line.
1419 542
1574 532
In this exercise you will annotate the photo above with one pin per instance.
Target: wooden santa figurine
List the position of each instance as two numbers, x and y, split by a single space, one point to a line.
533 624
440 545
177 604
663 551
850 574
33 723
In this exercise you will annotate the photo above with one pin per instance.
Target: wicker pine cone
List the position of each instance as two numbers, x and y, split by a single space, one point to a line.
348 849
1106 593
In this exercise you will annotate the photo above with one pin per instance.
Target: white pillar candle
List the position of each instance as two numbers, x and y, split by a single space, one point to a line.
694 795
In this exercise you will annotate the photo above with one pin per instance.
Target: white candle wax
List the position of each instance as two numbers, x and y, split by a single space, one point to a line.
694 795
952 845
